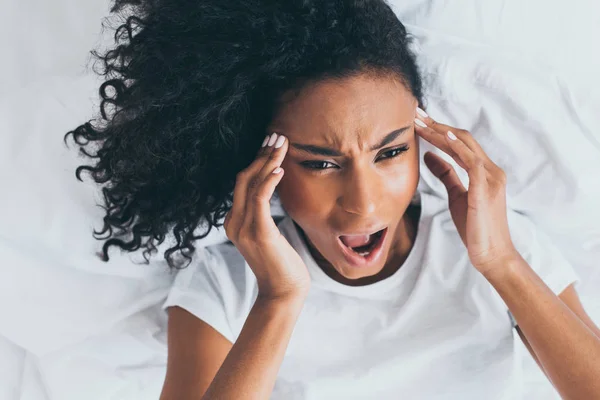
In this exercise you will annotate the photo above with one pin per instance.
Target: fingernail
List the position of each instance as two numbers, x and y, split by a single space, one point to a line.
280 142
422 113
265 141
420 123
451 135
277 170
272 139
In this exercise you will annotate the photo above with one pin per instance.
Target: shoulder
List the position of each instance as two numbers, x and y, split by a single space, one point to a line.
445 247
218 287
221 263
531 241
541 253
230 266
231 273
437 224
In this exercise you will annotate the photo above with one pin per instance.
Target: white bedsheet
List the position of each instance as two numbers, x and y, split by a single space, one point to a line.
521 76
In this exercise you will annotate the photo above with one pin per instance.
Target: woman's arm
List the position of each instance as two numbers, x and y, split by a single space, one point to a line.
283 281
196 351
250 369
204 364
567 349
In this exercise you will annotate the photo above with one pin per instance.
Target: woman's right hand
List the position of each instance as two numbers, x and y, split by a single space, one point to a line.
279 270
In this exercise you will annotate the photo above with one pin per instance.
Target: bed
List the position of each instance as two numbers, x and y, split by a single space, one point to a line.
519 75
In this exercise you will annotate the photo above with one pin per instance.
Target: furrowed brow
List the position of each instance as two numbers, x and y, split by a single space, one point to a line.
389 138
329 152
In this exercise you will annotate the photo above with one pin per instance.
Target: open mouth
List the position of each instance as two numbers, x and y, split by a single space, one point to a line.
363 249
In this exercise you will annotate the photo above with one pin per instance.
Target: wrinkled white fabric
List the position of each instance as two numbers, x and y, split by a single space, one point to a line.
522 76
436 329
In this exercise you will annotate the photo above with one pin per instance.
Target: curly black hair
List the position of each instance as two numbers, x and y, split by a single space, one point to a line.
190 89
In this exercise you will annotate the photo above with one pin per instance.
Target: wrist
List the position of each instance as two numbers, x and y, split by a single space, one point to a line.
502 269
289 300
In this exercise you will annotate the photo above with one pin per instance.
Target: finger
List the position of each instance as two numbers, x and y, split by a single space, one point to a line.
276 151
275 157
475 166
227 219
461 150
464 135
226 222
445 173
271 157
263 154
238 209
263 221
437 140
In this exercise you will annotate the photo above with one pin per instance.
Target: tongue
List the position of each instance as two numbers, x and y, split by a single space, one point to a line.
355 240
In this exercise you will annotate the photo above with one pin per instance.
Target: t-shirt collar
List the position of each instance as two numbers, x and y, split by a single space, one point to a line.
374 290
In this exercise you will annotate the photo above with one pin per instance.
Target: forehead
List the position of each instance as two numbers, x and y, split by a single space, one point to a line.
335 111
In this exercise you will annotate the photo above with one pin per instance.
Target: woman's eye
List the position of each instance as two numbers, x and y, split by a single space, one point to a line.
393 153
323 165
318 165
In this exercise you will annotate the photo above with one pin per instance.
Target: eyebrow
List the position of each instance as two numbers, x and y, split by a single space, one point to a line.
326 151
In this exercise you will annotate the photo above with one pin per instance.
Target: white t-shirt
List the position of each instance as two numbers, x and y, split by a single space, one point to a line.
436 329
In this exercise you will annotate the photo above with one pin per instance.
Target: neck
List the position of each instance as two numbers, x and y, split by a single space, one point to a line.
397 256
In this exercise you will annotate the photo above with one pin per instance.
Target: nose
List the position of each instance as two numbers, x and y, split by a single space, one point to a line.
360 192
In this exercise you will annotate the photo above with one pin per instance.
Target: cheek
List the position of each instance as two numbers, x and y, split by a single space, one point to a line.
403 180
397 181
302 198
307 198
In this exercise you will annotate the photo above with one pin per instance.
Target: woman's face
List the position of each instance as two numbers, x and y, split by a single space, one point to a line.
351 170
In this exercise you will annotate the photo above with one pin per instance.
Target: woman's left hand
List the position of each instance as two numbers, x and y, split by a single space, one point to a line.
479 213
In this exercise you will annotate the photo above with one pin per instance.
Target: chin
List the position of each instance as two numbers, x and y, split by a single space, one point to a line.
354 273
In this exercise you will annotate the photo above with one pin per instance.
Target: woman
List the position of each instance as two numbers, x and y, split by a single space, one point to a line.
366 289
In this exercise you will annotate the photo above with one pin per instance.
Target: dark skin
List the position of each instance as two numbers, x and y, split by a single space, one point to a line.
361 189
359 185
